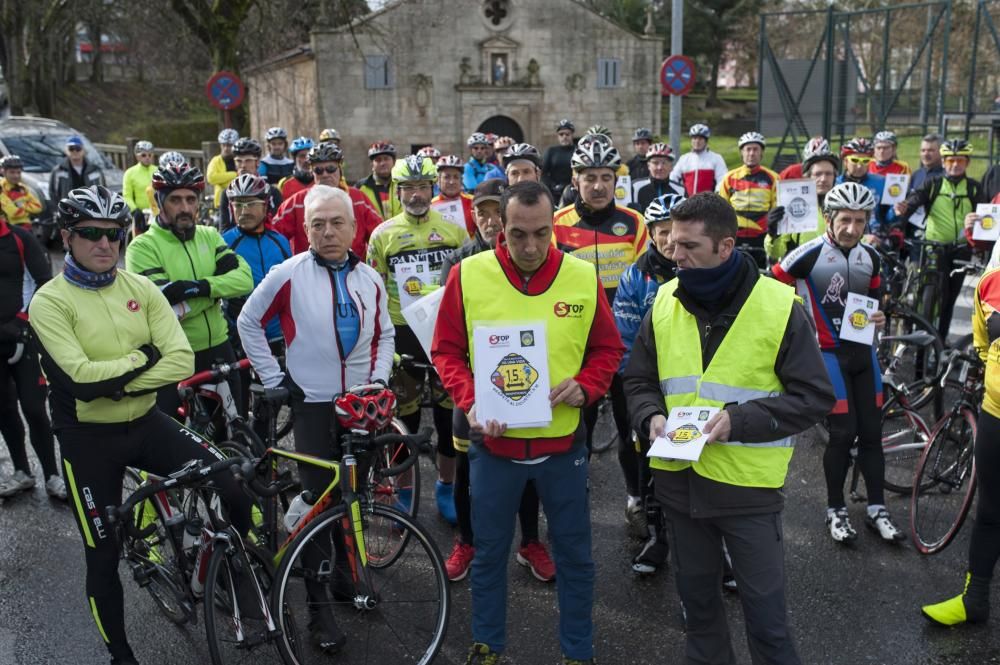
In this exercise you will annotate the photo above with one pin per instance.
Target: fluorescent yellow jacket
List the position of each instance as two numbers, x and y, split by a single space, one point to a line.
218 177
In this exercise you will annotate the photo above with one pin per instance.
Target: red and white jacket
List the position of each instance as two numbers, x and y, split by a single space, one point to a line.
302 294
290 218
699 171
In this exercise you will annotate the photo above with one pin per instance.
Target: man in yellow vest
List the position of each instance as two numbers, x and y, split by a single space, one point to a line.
526 277
720 336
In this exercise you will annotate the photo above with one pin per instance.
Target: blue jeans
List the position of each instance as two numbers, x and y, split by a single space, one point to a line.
496 487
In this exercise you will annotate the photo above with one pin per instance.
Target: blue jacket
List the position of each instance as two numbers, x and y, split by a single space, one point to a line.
262 252
635 295
475 173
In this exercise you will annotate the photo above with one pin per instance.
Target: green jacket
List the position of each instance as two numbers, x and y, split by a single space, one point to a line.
161 256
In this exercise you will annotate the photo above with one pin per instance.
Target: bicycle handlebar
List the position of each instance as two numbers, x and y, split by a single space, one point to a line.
213 375
415 443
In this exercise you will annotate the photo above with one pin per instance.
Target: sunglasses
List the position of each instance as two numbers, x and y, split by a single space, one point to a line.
241 205
858 160
74 148
953 159
326 169
94 234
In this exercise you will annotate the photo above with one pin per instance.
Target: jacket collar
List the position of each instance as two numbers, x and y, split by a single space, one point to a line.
732 301
536 283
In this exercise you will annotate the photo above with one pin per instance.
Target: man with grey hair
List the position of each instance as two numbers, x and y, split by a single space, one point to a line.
930 161
308 291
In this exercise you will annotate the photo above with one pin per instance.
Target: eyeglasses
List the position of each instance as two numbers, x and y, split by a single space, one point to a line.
325 169
74 148
94 234
854 159
143 155
954 159
409 189
244 205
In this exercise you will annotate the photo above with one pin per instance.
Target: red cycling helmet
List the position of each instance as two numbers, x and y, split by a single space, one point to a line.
369 411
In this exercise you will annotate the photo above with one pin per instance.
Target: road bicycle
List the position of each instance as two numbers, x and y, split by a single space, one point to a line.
208 407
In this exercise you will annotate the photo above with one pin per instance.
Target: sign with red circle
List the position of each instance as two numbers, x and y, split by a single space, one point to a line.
677 75
225 90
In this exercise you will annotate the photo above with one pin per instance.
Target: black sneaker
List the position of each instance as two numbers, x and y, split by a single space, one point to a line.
325 632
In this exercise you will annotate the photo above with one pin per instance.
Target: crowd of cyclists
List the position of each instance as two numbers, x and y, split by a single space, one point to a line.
307 276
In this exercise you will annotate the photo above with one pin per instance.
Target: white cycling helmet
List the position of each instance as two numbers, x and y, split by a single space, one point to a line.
659 208
887 136
276 133
595 155
171 158
701 130
849 196
142 146
229 136
752 137
815 145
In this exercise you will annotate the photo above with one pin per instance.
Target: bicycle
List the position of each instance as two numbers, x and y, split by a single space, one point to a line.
945 479
208 408
387 568
179 545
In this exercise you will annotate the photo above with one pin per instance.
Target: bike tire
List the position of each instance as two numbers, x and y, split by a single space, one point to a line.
905 434
605 430
408 601
394 490
246 640
917 366
937 512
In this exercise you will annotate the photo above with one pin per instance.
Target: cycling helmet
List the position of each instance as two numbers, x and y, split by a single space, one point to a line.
142 146
660 150
588 139
599 129
11 162
700 130
329 134
178 177
824 156
247 146
430 152
326 152
247 185
816 144
956 148
381 148
450 162
595 155
275 133
229 136
565 123
171 158
886 135
477 138
642 134
752 137
659 209
95 202
857 146
371 410
523 151
413 169
849 196
300 144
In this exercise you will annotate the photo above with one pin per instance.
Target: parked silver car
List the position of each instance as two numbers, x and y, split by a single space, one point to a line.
40 142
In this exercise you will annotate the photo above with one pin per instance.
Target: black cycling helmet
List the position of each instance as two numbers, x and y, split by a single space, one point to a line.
11 162
642 134
566 123
95 202
326 152
178 177
815 157
247 146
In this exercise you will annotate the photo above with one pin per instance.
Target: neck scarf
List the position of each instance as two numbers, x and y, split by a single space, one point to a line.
79 276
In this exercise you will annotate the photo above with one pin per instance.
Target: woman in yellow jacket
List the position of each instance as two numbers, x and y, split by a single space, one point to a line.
973 604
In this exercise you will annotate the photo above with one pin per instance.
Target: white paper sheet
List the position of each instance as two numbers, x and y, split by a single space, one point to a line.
685 435
511 369
798 197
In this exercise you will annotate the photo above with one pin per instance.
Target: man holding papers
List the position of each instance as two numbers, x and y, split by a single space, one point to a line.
722 336
504 306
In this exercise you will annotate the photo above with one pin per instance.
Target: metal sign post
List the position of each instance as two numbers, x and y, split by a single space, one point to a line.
676 48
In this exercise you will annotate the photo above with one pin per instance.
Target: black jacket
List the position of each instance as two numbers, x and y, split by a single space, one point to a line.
469 248
24 267
61 180
557 169
800 367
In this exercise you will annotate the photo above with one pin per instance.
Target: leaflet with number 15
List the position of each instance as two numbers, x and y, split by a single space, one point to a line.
511 369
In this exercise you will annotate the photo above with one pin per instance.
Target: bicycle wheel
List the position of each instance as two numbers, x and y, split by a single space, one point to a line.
402 492
243 434
605 430
904 436
286 419
915 366
929 302
396 614
945 483
245 638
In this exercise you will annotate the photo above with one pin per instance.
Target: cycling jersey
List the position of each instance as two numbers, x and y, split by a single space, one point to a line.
219 173
752 191
274 169
792 172
463 217
383 198
475 172
18 203
647 190
291 217
947 201
304 296
262 251
823 273
892 166
986 335
636 293
135 182
164 258
557 169
699 171
612 239
637 167
295 183
406 250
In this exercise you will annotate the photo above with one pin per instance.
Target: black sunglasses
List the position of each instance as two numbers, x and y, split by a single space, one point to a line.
94 234
74 148
326 169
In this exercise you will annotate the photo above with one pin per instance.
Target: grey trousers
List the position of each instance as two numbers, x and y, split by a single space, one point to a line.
755 546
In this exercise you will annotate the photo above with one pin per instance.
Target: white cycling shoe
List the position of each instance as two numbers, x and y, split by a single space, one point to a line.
839 523
882 523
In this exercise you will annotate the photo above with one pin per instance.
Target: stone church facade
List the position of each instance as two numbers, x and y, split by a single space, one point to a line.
421 72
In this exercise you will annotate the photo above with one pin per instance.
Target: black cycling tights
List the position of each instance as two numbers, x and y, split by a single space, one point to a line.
22 382
442 424
94 461
984 546
857 415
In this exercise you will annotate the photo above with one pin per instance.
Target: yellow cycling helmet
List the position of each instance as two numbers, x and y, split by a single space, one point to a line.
956 148
414 169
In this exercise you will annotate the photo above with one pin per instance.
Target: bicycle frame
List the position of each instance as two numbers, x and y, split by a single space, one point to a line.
210 385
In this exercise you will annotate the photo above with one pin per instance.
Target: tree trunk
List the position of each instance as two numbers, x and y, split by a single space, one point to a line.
97 55
713 80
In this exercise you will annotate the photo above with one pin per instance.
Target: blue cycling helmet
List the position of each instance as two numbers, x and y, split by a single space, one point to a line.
299 144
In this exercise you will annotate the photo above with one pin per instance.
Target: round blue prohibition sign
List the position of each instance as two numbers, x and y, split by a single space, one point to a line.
225 91
677 75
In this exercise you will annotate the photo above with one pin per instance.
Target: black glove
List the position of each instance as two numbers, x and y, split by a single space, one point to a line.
225 263
774 217
15 330
185 289
153 355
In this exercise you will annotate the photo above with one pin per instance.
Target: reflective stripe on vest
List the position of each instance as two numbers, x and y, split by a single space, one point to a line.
567 307
741 370
946 218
